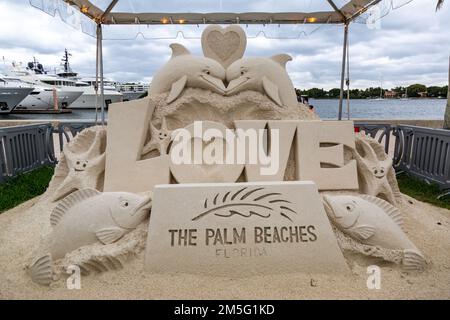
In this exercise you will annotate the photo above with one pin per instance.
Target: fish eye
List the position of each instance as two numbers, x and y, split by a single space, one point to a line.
242 72
84 165
78 162
350 207
207 71
124 203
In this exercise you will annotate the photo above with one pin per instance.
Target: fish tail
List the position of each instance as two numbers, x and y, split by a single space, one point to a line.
413 260
41 270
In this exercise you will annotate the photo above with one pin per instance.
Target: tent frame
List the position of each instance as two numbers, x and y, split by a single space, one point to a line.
345 15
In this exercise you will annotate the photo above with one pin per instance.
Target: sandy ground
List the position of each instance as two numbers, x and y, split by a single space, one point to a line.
427 226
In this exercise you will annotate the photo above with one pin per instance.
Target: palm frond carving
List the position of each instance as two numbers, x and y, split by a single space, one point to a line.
246 202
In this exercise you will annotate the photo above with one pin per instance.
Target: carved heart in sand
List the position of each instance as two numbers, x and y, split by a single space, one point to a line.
224 45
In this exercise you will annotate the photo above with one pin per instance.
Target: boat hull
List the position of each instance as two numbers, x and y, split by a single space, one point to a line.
87 100
43 100
11 97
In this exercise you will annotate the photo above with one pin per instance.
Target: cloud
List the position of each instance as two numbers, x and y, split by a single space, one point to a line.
411 46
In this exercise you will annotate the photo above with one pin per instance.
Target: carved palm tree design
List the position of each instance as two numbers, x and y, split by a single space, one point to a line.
247 202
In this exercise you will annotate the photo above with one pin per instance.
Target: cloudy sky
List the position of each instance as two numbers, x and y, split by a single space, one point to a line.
411 45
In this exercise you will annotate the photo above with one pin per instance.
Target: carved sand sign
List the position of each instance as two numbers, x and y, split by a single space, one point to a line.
318 147
239 229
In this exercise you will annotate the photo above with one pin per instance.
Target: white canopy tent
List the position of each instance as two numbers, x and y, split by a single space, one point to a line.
112 13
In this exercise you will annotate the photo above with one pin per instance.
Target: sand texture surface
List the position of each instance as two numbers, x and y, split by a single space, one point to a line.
22 229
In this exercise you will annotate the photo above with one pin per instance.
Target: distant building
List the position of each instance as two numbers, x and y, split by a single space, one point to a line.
390 94
422 94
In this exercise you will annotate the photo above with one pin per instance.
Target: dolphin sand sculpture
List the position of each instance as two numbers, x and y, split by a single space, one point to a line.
185 70
266 75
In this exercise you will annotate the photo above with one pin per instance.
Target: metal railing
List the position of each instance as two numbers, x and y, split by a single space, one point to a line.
373 130
24 148
65 129
422 152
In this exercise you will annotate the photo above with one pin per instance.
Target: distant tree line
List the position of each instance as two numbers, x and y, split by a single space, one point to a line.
414 91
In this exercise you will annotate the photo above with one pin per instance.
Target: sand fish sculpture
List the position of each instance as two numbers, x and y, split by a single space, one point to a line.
375 222
85 217
185 70
265 75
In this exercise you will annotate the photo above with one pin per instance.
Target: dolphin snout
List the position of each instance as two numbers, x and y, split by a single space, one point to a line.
235 84
215 82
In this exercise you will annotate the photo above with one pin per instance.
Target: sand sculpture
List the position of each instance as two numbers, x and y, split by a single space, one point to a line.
185 70
376 174
225 45
81 165
94 200
85 217
374 222
159 139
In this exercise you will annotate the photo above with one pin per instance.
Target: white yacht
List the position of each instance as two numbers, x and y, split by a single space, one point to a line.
87 85
132 90
87 100
49 91
12 92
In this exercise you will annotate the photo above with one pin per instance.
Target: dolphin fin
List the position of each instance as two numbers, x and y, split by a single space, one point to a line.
176 89
178 50
271 90
281 59
109 235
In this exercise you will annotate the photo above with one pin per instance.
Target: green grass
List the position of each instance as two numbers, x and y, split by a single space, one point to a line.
24 187
422 191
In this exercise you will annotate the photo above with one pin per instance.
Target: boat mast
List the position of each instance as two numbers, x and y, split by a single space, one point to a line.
381 88
65 59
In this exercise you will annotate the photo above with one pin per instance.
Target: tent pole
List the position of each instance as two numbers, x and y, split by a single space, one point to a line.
344 56
347 80
96 76
102 91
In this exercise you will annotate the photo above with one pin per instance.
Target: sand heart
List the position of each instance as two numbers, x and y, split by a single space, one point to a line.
224 45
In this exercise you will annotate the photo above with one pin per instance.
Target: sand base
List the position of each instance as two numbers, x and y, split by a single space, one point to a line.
428 227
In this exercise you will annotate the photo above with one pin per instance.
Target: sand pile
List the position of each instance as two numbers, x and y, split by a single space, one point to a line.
21 231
